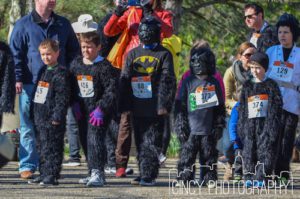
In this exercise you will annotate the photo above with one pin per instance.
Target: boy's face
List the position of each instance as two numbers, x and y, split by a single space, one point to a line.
257 71
49 57
89 50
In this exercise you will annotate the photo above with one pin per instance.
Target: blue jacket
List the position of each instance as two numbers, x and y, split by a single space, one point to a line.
26 37
233 121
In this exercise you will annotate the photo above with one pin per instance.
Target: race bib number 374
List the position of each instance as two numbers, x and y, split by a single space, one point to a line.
257 106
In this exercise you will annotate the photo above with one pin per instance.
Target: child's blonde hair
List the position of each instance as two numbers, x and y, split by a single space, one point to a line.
49 43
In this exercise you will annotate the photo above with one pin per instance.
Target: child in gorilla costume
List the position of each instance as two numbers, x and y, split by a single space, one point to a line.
199 116
7 98
94 95
52 94
147 89
259 122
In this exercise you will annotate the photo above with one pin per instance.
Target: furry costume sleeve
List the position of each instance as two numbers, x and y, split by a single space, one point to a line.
273 124
181 122
109 95
167 84
242 112
62 95
125 91
8 81
219 111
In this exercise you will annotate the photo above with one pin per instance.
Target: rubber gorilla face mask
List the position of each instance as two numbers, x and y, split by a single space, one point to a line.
202 62
149 31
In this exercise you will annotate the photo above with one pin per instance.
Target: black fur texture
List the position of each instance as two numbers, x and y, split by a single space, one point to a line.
50 138
259 135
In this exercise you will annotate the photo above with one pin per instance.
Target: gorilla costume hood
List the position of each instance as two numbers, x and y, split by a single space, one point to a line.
202 61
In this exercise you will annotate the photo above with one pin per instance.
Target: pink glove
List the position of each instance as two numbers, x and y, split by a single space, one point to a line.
96 117
76 111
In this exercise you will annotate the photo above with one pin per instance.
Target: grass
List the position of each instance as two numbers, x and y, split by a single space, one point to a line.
173 149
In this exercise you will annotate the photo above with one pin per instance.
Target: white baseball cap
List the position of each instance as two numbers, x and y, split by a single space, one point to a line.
85 24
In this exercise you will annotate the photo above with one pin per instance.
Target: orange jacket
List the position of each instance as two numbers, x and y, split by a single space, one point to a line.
117 25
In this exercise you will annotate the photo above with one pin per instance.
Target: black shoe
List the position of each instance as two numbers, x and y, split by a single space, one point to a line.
49 180
36 180
136 181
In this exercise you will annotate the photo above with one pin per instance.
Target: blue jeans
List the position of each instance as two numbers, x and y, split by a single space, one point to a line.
73 137
27 152
224 145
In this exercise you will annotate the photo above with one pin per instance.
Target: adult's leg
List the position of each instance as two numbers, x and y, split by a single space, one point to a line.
27 152
124 140
166 135
73 137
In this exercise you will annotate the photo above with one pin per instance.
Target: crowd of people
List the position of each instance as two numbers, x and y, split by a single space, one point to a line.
102 82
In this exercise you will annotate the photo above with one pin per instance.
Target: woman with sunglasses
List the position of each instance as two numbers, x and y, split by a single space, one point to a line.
234 77
284 68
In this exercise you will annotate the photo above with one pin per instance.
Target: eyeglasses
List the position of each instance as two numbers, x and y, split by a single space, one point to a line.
250 16
247 55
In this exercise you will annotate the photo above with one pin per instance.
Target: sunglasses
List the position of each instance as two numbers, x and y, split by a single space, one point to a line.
250 16
248 55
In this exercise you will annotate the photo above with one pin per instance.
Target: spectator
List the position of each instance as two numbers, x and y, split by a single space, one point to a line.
262 34
28 33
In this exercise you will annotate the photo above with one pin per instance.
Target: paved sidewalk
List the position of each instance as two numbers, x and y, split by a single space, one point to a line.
11 186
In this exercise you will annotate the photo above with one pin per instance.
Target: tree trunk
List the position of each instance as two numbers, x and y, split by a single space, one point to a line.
17 10
175 7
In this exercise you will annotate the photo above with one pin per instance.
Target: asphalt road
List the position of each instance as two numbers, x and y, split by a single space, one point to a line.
11 186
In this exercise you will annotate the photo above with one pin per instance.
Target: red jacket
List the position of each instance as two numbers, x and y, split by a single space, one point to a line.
117 25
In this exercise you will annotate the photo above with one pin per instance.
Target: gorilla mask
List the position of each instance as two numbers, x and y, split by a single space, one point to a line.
202 61
149 30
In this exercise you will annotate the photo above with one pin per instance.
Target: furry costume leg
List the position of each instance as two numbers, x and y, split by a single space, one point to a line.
111 141
286 143
150 132
51 150
249 155
82 131
187 159
209 156
96 147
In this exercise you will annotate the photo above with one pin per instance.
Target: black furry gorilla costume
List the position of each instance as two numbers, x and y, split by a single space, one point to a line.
147 89
199 116
259 134
7 87
104 96
50 138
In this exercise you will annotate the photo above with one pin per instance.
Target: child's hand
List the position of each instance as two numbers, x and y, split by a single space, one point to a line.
55 123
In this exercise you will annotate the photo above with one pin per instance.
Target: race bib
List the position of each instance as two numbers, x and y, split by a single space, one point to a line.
254 38
86 86
282 71
206 97
41 92
257 106
141 87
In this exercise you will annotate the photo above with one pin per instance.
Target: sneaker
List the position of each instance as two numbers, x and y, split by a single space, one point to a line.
237 178
283 181
96 179
136 181
211 185
248 184
223 159
36 180
49 181
110 170
121 172
228 172
259 184
161 158
129 171
72 164
147 182
84 180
